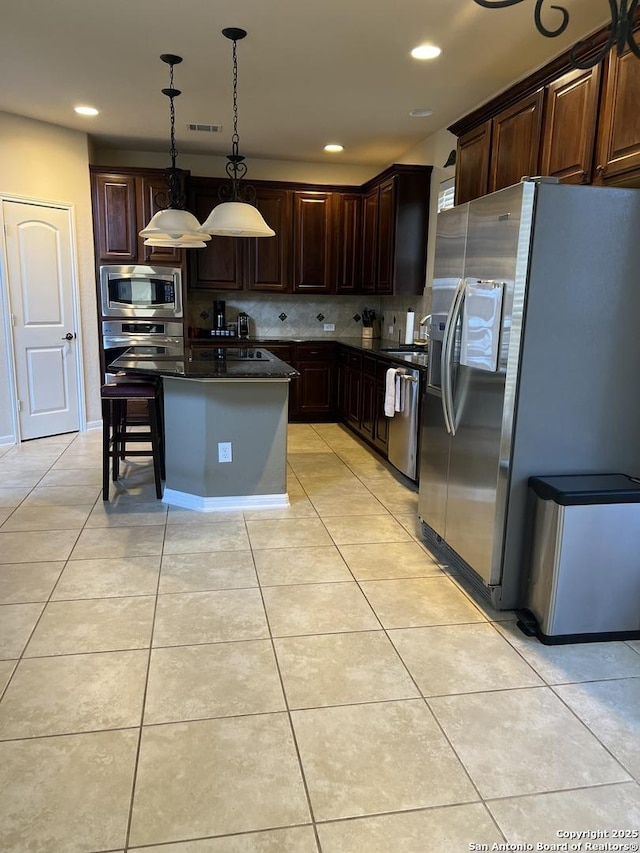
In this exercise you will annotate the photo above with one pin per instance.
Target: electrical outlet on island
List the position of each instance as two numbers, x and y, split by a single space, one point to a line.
224 451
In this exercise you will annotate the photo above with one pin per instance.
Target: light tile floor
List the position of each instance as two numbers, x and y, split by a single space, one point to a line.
307 680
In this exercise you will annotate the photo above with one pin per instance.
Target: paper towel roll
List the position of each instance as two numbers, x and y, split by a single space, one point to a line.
409 327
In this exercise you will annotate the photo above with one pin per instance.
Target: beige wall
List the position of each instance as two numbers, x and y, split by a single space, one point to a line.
45 162
258 170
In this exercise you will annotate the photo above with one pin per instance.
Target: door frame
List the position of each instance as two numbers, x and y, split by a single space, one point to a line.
5 304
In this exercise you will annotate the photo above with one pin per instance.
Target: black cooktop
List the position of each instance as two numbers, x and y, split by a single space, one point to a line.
227 354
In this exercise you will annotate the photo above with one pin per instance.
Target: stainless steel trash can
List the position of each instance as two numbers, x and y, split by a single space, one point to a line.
584 573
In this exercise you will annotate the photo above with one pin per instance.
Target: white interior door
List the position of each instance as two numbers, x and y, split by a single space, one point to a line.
40 282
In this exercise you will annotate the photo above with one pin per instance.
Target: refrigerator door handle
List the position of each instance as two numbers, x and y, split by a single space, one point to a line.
448 349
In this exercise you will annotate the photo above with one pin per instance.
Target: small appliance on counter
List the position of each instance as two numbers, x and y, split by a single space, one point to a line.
220 328
243 325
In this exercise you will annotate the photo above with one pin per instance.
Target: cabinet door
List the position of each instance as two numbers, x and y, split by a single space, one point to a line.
369 241
515 142
354 402
569 127
618 146
312 242
114 210
153 197
367 414
381 436
348 229
386 237
472 163
219 265
342 403
269 258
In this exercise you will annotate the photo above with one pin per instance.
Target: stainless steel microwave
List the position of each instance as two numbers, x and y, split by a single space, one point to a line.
140 291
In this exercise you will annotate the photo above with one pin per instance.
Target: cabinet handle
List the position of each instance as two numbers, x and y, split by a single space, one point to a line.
600 169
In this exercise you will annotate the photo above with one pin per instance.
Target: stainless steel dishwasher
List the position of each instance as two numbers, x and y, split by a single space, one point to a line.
404 425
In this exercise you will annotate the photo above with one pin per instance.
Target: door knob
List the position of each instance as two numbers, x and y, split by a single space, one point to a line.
69 336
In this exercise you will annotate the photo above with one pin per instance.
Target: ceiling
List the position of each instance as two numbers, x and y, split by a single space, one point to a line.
308 72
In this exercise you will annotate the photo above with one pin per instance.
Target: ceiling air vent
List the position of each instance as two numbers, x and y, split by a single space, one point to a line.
205 128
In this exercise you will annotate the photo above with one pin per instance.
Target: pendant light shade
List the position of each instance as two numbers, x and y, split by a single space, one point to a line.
174 226
173 222
236 217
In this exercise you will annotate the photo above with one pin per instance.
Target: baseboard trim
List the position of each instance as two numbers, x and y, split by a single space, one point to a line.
225 504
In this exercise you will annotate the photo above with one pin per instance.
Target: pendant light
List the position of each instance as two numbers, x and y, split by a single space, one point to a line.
173 226
236 217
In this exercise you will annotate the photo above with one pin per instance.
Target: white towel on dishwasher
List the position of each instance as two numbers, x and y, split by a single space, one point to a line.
392 392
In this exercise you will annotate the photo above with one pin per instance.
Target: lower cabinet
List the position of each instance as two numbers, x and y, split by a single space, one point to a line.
316 396
312 395
360 396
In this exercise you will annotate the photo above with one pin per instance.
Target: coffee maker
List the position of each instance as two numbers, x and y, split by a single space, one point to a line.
243 325
219 315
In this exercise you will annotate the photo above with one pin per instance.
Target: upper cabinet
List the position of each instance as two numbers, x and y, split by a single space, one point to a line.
313 242
472 163
343 240
269 258
569 126
370 239
395 219
515 142
123 203
618 146
581 126
348 239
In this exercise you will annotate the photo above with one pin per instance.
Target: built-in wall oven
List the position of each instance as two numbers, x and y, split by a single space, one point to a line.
140 291
150 339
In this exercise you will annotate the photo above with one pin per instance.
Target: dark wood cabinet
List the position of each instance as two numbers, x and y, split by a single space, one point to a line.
569 126
472 163
618 141
153 196
515 142
381 434
368 401
269 258
348 229
115 218
219 266
361 392
316 364
369 264
312 242
387 236
589 133
123 204
354 395
395 220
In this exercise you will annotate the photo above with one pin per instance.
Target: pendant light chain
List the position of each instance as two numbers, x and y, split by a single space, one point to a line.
235 138
175 195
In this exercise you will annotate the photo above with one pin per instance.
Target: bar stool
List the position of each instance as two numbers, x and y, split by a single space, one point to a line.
116 420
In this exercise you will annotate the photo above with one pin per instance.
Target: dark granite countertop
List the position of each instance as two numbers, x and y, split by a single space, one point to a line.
385 347
209 362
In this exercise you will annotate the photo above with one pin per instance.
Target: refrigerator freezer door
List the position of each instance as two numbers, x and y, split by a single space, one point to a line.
474 528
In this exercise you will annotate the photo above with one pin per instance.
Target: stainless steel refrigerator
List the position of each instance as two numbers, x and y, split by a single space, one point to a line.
534 366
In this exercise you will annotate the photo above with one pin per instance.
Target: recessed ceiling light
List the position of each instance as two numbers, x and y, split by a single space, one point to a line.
420 113
426 51
333 147
86 111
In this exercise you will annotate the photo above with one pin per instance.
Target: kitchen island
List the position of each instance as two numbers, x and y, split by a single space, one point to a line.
225 426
